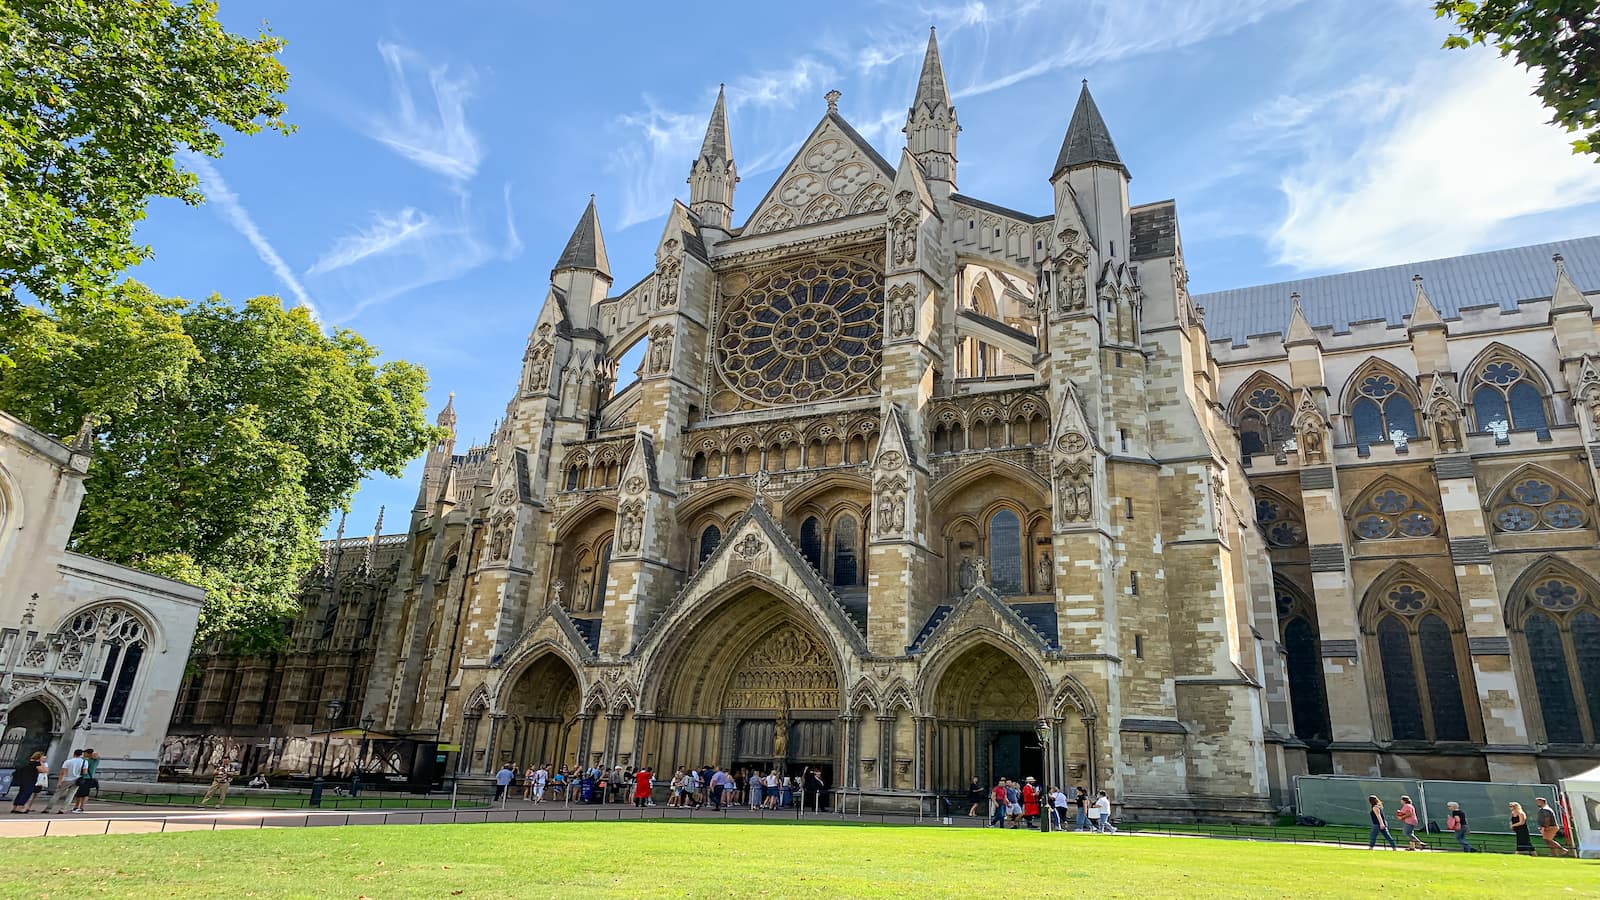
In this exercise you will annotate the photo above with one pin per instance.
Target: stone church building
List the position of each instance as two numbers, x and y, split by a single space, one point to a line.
913 487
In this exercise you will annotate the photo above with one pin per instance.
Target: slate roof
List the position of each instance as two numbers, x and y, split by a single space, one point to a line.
1498 277
1155 230
1088 140
586 249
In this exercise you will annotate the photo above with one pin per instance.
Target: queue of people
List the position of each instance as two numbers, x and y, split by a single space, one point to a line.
77 779
1014 804
688 788
1548 823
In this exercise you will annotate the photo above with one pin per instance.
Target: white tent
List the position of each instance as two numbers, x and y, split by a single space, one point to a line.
1583 793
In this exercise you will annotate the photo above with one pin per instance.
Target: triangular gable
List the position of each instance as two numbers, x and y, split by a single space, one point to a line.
554 627
756 545
835 174
982 610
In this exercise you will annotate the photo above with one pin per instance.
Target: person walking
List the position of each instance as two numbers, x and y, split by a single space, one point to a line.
975 795
31 778
1379 824
999 805
757 786
1458 825
1407 814
66 784
772 789
1014 804
1030 802
502 781
1550 828
1093 814
1058 808
1103 805
1519 827
641 788
541 777
1081 813
220 780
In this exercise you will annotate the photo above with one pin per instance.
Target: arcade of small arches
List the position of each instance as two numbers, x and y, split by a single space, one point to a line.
773 696
1422 681
815 445
1502 392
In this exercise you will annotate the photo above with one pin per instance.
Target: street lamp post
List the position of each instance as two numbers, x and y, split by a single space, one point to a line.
361 758
1043 732
335 707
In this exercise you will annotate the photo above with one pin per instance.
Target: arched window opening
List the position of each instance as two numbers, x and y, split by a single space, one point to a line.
572 478
709 539
811 542
1005 552
126 640
601 576
1280 522
1537 504
1560 625
1392 512
1308 693
1420 661
697 469
844 550
1264 420
1381 413
1506 398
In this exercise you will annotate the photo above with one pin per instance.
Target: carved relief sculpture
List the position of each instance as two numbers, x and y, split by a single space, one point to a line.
632 526
660 349
902 311
904 240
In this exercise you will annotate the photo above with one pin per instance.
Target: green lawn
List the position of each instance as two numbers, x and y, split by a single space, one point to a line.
289 801
1334 834
681 859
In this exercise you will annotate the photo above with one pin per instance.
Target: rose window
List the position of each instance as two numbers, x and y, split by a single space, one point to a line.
1391 513
807 333
1534 504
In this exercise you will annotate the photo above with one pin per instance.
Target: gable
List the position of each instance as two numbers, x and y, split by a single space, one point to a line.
835 174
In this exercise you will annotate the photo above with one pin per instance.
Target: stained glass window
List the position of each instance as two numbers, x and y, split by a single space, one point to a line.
844 550
1561 636
1381 411
1265 421
811 542
1005 552
1394 512
1418 655
1506 397
1537 504
1400 681
1307 694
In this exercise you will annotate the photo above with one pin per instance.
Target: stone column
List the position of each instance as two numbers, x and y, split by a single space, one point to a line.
613 737
919 752
886 729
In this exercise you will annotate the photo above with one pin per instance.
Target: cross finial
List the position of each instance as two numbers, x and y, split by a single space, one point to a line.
833 100
981 566
761 483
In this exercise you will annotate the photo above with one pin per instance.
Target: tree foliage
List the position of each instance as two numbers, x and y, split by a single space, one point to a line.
96 98
1557 39
224 466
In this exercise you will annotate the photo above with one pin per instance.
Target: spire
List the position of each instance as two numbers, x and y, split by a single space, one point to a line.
713 175
447 416
931 87
1300 330
372 544
1088 141
586 249
447 493
1423 313
1566 297
931 122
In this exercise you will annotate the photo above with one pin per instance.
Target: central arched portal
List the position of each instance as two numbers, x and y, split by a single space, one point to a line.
986 709
753 685
542 715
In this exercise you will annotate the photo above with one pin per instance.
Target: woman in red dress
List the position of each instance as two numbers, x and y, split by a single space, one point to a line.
1030 800
641 788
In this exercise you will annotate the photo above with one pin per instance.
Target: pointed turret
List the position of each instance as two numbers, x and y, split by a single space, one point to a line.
1566 297
372 543
713 175
1300 331
931 124
586 249
446 500
447 416
1088 141
1423 313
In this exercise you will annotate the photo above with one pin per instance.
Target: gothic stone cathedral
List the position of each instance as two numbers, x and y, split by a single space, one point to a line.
907 476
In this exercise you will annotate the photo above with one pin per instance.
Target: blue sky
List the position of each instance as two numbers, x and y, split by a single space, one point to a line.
445 150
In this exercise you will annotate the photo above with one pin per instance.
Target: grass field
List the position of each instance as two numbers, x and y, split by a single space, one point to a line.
677 859
1333 834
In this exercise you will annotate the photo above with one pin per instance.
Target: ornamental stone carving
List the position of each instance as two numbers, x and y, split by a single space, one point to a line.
667 283
1074 491
632 531
500 536
904 240
749 547
539 366
902 311
788 669
660 356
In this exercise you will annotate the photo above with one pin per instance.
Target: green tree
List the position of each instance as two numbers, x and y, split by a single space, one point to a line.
222 472
96 98
1558 39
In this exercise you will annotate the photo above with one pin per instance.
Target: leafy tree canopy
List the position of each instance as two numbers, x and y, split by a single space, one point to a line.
1557 39
96 98
247 426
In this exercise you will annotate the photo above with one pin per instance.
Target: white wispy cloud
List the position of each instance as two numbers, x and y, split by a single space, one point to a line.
227 203
433 134
1458 152
385 233
998 44
451 245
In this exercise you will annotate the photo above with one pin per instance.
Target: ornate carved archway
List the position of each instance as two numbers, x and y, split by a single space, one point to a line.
539 720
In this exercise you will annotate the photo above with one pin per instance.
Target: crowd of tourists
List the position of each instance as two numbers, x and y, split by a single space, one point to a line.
1549 824
687 788
74 783
1014 804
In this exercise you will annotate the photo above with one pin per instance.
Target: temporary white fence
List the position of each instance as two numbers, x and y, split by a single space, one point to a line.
1342 799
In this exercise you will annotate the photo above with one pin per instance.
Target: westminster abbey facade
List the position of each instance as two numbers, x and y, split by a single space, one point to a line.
913 487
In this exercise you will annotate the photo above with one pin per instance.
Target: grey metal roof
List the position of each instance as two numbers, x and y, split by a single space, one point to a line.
1088 140
1503 277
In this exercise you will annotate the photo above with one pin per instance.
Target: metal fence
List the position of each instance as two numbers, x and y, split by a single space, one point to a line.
1342 800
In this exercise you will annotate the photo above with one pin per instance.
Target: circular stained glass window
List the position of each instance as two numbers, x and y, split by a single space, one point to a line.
1417 525
810 332
1286 534
1562 515
1515 518
1374 527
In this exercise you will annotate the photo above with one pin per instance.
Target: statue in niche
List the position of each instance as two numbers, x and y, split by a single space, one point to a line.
1077 292
905 241
966 574
1447 427
1311 442
632 527
780 729
1044 572
582 596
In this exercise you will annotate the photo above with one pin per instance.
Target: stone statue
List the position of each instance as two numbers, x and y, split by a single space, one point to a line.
632 527
580 597
1312 442
1448 427
780 729
966 576
1044 572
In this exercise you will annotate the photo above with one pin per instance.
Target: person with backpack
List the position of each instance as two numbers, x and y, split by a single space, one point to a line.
1457 823
1380 825
1407 814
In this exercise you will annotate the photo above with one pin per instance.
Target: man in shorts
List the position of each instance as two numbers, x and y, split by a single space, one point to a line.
1550 828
